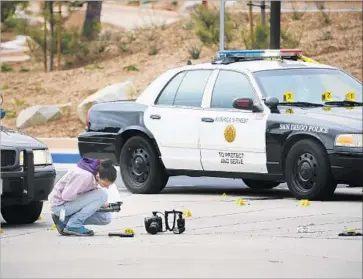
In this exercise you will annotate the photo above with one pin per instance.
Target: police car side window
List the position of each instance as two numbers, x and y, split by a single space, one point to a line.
167 96
229 86
191 89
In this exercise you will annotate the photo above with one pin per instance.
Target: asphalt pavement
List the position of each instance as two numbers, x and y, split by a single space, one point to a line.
222 239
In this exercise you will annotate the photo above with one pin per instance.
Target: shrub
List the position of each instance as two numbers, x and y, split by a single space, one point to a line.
6 68
206 23
153 50
194 51
131 68
327 36
261 37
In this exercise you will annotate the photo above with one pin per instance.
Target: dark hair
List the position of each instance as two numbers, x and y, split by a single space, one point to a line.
107 171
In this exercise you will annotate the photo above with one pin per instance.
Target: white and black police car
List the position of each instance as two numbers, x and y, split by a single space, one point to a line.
264 116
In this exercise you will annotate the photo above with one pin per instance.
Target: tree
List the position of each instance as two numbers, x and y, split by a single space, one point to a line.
92 22
8 8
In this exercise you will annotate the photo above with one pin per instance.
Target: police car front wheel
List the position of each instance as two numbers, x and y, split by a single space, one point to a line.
307 171
140 167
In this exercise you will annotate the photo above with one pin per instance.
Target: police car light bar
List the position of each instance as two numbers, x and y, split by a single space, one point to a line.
259 54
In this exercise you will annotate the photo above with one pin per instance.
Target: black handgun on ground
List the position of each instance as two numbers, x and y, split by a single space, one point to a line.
112 207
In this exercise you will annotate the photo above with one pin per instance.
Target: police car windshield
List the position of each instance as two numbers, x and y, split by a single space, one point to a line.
308 85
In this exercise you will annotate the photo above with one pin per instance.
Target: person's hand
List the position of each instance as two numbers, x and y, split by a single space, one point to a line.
106 204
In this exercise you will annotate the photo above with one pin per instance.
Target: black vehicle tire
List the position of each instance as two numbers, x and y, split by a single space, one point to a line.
140 167
307 171
22 214
260 184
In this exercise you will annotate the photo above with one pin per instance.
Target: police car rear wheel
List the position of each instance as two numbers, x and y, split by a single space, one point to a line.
307 171
260 184
140 167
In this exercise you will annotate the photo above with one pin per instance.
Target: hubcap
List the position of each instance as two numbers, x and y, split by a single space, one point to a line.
139 165
305 171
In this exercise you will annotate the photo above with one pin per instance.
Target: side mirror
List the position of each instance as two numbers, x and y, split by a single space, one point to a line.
246 104
272 102
3 113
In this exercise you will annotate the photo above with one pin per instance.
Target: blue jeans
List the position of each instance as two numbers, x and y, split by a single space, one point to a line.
83 210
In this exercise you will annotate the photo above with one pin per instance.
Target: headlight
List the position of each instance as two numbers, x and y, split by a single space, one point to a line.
349 140
41 157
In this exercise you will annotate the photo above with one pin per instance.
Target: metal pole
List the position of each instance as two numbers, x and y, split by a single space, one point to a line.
263 14
221 26
250 15
275 13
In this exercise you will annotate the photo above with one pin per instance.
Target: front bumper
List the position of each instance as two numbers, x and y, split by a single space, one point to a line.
29 183
347 167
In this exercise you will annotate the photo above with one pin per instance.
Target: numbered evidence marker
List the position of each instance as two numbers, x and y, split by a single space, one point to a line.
230 133
327 96
350 96
288 97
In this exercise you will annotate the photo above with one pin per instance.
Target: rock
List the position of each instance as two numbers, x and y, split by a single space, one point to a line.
188 5
115 92
36 115
65 108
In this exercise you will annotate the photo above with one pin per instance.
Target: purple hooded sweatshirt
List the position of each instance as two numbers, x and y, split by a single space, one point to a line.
75 182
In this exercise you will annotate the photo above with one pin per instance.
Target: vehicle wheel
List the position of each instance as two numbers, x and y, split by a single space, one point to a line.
260 184
22 213
307 171
140 167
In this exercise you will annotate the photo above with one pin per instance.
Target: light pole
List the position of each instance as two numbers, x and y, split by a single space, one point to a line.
221 26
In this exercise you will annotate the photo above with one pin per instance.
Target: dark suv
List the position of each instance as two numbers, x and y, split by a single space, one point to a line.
27 176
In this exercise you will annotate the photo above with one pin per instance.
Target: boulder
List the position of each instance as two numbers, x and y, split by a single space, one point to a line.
40 114
188 5
115 92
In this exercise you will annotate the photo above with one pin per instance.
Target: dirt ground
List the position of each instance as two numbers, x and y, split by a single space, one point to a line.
338 43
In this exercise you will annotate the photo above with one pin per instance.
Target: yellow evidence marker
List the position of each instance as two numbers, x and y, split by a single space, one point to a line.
187 213
40 218
304 203
327 96
350 96
241 202
289 111
288 97
129 231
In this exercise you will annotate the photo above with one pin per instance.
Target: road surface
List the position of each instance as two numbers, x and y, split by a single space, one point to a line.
222 239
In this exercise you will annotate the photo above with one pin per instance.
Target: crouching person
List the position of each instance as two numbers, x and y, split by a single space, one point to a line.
78 198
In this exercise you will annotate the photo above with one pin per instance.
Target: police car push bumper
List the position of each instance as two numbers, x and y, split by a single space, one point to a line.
347 159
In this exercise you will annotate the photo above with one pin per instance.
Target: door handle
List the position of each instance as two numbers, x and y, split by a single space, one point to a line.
155 116
207 119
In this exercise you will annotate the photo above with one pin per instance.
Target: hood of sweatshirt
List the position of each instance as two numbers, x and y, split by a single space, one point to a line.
89 164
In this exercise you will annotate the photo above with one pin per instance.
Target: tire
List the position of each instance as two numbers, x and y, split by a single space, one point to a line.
307 171
260 184
140 167
22 214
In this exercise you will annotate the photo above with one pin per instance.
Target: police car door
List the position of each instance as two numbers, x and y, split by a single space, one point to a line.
174 119
232 140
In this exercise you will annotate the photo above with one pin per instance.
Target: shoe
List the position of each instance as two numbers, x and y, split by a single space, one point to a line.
59 224
78 231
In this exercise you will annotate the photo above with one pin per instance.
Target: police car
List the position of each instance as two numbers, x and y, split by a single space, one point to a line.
264 116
